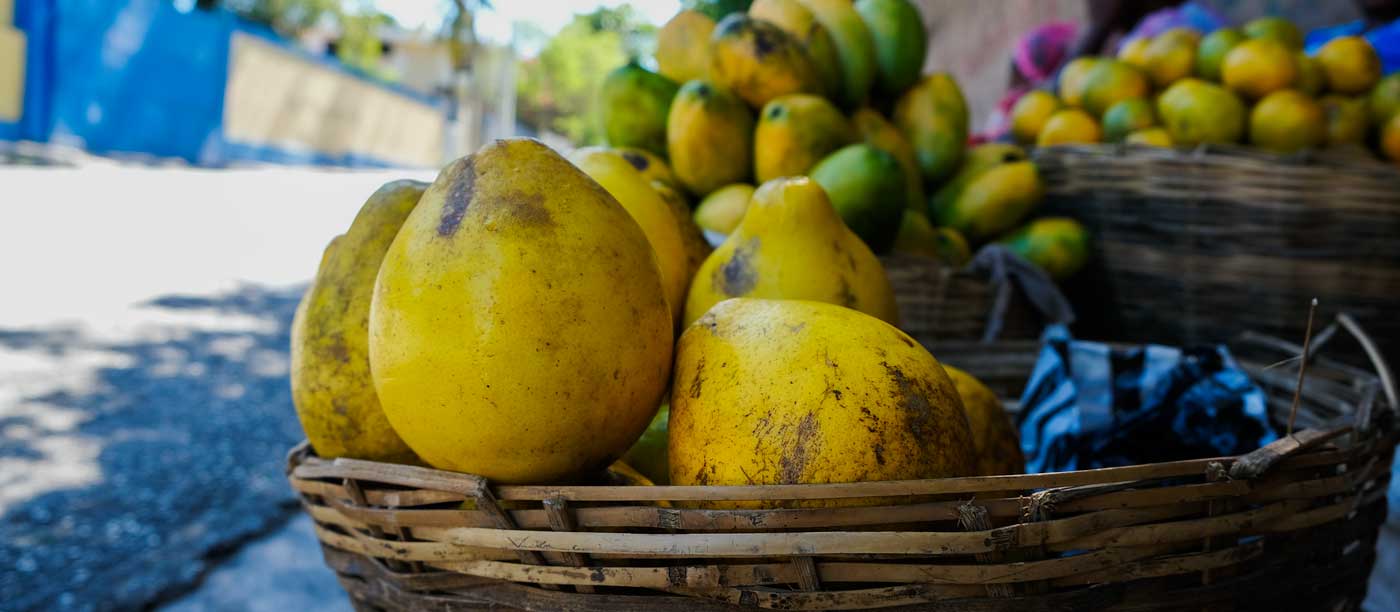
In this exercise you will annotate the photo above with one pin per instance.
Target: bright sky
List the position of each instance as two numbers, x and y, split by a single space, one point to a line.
495 25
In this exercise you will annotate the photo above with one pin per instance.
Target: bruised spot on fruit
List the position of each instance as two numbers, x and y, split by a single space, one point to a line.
805 445
765 41
637 161
776 111
699 380
919 413
872 422
335 349
848 296
459 196
736 276
527 208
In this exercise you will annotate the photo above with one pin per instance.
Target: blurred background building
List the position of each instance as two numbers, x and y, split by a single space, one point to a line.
327 82
400 83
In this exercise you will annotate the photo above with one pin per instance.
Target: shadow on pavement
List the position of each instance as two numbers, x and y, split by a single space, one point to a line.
184 442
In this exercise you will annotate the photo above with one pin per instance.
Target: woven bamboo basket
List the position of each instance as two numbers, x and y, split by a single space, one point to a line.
937 302
1191 246
1290 526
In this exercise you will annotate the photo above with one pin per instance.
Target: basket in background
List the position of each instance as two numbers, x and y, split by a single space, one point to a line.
938 303
1191 246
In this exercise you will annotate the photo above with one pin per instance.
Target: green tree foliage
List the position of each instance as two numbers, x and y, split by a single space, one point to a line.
558 88
358 22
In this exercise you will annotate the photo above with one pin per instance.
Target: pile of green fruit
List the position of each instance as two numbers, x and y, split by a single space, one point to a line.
746 93
1251 85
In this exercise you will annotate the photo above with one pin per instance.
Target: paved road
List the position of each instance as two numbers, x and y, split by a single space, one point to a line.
144 407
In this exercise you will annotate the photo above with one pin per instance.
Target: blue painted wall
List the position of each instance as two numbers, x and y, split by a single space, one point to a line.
139 77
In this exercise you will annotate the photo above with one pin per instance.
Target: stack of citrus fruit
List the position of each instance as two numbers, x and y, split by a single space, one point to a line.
1250 85
750 92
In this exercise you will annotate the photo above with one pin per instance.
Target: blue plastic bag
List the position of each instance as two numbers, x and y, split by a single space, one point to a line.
1089 405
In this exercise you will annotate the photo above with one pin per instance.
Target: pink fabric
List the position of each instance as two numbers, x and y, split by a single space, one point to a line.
1039 52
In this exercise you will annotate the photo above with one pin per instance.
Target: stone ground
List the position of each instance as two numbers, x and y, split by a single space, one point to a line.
144 407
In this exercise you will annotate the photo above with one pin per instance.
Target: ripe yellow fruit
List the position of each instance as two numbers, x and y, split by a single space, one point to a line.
648 209
993 435
1154 137
1171 56
796 20
1311 79
794 133
1210 54
1257 67
1346 119
1111 82
1069 126
331 386
1351 65
1286 121
933 117
758 61
1390 139
917 235
683 46
1276 29
652 167
1074 77
1185 34
693 241
855 47
709 138
1384 99
994 200
722 210
494 303
792 245
1134 52
1030 113
795 392
1195 112
1126 117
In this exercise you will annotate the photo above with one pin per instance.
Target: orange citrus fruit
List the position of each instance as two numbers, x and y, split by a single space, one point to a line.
1286 121
1030 113
1258 67
1069 126
1211 52
1350 63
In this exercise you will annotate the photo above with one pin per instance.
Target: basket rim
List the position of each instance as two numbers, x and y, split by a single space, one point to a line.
1352 160
1296 451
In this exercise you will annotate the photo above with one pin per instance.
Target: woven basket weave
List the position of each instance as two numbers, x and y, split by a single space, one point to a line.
1291 526
1191 246
939 303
